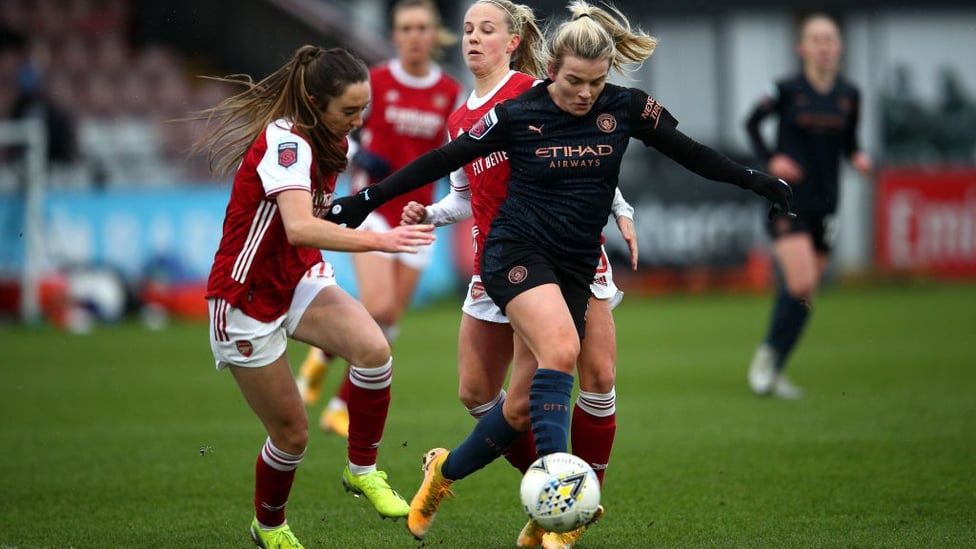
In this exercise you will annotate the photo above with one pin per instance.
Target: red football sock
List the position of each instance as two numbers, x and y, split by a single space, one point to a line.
273 476
522 452
593 428
344 388
368 402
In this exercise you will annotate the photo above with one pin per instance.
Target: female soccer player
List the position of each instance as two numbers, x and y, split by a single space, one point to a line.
496 32
818 115
564 139
411 100
286 136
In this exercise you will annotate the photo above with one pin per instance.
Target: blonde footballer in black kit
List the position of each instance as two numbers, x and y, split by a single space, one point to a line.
565 139
500 46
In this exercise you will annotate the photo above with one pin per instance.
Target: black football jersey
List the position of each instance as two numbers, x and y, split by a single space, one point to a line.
564 168
815 130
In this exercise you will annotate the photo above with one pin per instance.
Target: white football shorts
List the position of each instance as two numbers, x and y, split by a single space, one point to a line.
238 339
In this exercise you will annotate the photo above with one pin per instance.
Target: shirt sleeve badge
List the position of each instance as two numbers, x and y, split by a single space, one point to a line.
287 154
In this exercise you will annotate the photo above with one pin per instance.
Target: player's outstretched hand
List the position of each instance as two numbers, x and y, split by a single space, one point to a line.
777 191
351 210
413 213
407 238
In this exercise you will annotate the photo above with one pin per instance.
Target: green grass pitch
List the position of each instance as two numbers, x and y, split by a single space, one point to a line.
129 438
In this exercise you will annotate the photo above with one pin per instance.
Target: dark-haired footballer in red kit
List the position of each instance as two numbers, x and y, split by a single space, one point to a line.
285 139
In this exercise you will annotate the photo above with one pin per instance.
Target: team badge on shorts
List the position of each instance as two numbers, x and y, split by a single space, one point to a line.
606 122
287 154
518 274
477 290
244 347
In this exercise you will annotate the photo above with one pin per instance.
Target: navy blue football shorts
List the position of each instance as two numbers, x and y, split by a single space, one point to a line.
821 226
509 268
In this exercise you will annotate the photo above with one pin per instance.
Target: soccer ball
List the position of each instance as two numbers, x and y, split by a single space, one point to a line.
560 492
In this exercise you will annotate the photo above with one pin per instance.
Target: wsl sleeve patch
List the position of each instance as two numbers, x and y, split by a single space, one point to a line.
484 125
287 154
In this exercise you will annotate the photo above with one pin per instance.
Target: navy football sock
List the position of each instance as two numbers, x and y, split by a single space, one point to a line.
549 410
490 438
788 320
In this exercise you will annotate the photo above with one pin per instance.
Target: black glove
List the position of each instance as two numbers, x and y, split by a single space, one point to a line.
372 164
773 189
352 210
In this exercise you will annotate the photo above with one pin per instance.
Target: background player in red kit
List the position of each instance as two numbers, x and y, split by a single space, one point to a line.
287 137
412 98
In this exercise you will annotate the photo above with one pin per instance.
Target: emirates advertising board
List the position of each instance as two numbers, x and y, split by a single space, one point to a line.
925 221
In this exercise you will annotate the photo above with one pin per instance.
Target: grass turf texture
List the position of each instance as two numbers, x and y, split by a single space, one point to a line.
129 438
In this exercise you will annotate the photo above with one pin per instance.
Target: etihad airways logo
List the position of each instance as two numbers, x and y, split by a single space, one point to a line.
574 156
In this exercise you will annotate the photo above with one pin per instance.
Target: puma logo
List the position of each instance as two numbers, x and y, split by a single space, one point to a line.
535 129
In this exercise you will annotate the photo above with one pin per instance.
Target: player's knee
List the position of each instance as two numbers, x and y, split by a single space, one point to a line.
598 376
802 289
518 418
472 398
372 355
384 314
561 356
292 436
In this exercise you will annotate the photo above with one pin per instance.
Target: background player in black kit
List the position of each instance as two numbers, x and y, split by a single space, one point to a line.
565 139
817 112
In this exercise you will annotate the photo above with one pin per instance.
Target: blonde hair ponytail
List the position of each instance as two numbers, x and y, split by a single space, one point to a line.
594 33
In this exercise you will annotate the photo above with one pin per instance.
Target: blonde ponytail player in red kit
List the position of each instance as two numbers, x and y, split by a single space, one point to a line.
412 98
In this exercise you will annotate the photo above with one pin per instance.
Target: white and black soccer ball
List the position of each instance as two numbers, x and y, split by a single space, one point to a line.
560 492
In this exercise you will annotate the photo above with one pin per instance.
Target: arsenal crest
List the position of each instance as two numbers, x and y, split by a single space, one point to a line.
244 347
477 290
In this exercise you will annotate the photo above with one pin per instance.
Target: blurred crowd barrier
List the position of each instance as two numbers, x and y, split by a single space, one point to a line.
117 251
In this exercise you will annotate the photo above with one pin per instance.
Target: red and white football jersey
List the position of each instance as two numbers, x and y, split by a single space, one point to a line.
255 268
487 177
407 117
